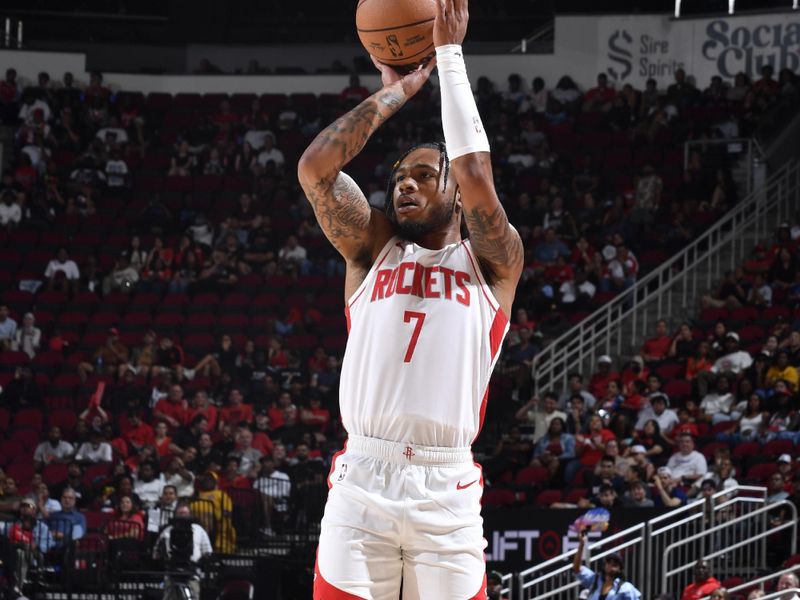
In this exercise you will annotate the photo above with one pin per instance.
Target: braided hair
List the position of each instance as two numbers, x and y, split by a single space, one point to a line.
444 164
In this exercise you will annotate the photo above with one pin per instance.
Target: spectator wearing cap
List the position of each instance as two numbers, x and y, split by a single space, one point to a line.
666 490
608 583
639 459
704 583
107 359
31 536
734 361
687 465
657 410
598 385
783 370
786 468
657 348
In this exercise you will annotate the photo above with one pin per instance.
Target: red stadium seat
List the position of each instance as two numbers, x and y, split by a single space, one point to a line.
27 437
64 418
22 472
761 471
531 476
54 473
669 371
576 494
498 498
777 447
709 449
746 449
5 419
548 497
29 417
677 389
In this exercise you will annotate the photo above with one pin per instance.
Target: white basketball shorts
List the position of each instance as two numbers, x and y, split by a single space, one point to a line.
401 513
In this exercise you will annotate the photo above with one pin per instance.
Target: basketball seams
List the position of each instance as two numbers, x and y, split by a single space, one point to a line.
395 27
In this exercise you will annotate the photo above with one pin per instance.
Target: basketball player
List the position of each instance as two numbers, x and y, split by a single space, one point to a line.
427 312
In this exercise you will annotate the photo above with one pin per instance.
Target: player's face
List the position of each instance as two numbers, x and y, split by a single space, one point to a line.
421 204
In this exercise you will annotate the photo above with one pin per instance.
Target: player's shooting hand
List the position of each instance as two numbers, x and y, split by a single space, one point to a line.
450 25
412 82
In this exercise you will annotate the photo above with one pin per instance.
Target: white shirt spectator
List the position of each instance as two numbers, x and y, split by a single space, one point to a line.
201 544
765 292
666 420
27 110
277 486
715 403
27 340
185 488
88 453
116 170
297 254
10 213
255 137
687 465
569 291
118 135
273 155
150 491
68 267
45 453
36 154
735 363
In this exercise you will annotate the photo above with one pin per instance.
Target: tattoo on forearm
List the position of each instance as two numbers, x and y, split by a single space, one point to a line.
492 237
341 208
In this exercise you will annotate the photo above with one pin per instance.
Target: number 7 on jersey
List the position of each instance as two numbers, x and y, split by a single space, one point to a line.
420 319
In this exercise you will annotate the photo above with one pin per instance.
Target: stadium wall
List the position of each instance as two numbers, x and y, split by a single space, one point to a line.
630 49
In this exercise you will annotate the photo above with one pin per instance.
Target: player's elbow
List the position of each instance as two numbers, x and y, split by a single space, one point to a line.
473 167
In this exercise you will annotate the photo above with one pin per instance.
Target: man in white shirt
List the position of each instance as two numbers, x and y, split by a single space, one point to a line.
687 464
717 405
540 413
65 266
32 104
255 137
270 153
734 361
658 411
168 546
95 450
275 487
113 135
148 486
295 254
53 450
116 171
789 581
10 211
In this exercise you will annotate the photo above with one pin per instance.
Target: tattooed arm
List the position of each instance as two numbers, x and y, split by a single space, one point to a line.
355 229
495 241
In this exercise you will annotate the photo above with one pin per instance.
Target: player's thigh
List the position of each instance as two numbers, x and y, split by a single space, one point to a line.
359 550
459 574
354 563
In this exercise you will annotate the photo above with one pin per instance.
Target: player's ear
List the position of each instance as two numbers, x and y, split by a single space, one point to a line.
458 205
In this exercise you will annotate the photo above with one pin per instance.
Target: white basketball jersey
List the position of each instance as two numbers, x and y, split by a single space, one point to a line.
424 334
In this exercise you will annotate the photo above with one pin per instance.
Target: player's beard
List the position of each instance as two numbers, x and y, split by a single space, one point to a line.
413 231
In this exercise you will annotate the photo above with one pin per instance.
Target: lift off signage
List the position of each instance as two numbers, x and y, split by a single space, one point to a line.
634 49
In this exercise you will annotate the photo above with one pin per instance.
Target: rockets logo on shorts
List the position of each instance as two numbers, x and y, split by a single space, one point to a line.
424 334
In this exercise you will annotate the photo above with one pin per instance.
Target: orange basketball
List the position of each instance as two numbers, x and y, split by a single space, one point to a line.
398 33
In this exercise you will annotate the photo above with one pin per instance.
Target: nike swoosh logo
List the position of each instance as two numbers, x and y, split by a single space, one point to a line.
463 487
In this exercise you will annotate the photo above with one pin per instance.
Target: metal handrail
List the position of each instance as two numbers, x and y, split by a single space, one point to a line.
646 535
687 274
760 580
789 524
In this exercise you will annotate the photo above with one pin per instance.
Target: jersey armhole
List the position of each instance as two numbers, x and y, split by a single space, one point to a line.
485 287
382 257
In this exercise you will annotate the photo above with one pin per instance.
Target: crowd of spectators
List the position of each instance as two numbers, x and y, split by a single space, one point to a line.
179 325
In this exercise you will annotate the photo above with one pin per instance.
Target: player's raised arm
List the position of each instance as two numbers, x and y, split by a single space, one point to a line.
355 229
494 240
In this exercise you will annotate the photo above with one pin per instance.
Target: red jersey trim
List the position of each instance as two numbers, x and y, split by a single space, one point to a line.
347 316
325 591
389 246
481 595
333 465
489 298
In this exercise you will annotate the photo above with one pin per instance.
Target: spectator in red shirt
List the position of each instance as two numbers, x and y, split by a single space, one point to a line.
598 385
657 348
599 98
162 441
590 447
354 93
703 583
316 417
201 405
173 409
236 410
136 432
636 371
9 96
230 478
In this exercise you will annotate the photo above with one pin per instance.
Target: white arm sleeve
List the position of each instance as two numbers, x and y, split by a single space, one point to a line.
463 129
